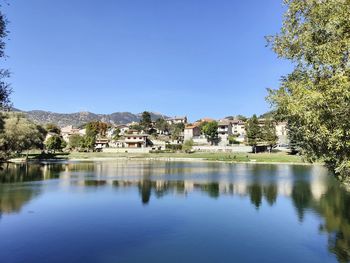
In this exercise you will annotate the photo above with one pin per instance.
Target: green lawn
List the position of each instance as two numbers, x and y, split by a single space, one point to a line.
279 157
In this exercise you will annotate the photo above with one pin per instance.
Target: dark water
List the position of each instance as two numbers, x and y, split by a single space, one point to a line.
172 212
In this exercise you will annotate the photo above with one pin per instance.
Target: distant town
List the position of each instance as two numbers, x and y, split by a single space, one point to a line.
230 134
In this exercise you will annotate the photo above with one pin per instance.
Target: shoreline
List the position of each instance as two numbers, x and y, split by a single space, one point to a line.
163 159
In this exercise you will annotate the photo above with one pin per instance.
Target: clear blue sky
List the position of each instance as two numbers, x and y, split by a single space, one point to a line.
178 57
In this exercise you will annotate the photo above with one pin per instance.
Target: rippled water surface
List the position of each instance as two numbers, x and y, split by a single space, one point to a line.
143 211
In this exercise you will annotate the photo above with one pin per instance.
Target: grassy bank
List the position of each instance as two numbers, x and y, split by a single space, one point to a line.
278 157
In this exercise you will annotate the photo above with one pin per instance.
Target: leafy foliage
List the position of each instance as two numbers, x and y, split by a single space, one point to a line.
76 141
5 89
162 125
315 97
55 143
53 128
254 133
146 120
187 145
19 134
210 130
268 134
177 130
233 139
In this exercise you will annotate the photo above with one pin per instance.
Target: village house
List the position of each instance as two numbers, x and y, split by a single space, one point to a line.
238 129
133 139
123 128
101 144
67 131
224 131
191 131
176 120
281 132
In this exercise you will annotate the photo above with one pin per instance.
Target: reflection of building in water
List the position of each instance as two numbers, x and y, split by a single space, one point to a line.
181 178
318 184
240 188
284 187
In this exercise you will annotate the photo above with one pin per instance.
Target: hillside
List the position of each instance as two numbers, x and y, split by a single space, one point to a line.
80 118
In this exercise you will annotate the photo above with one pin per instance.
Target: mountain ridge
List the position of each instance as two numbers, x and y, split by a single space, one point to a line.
78 119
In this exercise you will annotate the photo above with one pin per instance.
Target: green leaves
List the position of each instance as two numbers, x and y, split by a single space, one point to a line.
19 134
314 98
210 130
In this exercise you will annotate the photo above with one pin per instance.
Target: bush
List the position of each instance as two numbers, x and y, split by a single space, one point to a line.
173 147
187 146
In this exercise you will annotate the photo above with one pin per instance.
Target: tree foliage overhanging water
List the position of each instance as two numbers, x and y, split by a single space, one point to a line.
315 97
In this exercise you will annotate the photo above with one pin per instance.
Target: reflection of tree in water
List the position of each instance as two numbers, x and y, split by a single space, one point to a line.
270 193
145 190
13 195
12 199
255 192
95 182
334 207
301 196
17 173
212 189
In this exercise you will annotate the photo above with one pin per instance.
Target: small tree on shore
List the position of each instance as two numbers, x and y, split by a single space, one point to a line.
55 143
75 141
19 134
268 134
210 130
253 132
187 145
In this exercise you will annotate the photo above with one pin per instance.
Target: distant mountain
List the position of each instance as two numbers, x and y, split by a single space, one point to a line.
80 118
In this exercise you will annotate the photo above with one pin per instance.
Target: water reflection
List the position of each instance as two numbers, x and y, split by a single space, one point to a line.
309 189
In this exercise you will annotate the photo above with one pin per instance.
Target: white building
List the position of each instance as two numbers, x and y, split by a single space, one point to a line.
176 120
238 129
224 131
191 131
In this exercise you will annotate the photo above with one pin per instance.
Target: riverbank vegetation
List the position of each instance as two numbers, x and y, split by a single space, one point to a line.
315 97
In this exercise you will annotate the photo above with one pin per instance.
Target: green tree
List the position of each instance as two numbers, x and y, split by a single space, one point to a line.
5 88
210 130
53 128
253 132
315 96
88 142
146 120
241 117
136 127
268 134
94 129
55 143
76 141
187 145
294 137
177 130
19 135
162 125
232 139
116 134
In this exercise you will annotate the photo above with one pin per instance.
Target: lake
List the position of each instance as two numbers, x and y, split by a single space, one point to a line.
152 211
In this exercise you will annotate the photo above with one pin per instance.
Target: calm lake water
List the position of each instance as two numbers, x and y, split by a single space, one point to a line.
143 211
